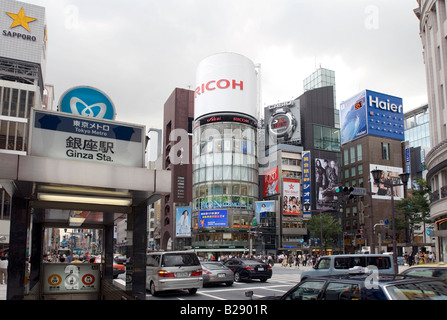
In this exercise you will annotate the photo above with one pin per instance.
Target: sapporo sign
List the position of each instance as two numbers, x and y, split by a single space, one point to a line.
61 136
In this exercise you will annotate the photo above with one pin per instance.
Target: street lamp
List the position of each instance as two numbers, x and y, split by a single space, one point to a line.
377 174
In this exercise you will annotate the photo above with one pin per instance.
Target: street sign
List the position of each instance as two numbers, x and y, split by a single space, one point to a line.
359 191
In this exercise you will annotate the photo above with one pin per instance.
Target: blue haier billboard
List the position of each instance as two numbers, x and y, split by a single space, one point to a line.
373 113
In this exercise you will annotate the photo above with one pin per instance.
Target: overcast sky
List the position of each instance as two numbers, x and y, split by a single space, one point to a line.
139 51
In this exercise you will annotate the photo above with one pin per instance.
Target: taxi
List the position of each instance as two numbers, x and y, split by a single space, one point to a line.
437 270
362 285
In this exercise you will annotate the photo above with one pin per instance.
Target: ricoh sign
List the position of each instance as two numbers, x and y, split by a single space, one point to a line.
225 82
372 113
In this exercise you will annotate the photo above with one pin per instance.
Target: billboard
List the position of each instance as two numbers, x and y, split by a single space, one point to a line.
87 101
262 208
270 182
213 218
389 175
326 181
23 32
225 82
283 122
371 113
291 196
62 136
182 222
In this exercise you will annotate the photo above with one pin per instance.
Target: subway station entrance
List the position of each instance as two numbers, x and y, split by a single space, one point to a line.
64 194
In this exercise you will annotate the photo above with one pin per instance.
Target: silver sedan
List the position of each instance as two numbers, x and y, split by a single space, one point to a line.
216 272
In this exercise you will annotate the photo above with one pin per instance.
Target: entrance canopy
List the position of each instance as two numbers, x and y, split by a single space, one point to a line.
81 186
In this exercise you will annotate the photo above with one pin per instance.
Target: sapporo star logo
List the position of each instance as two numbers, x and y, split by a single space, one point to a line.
20 19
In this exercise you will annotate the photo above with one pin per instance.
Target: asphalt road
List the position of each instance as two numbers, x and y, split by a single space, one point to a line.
282 280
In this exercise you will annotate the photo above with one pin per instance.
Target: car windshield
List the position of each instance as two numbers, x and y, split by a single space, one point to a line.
418 291
308 290
179 260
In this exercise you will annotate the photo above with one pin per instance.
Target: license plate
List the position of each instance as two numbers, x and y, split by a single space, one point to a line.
221 275
260 269
181 274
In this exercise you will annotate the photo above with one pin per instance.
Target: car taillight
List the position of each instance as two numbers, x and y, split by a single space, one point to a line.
165 274
249 268
206 272
269 267
197 273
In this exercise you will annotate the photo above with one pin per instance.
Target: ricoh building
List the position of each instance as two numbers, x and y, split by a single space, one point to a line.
225 167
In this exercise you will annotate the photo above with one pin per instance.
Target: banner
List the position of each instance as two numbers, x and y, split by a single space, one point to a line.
291 196
307 199
183 222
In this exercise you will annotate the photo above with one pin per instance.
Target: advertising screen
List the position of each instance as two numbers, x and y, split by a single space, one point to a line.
371 113
213 218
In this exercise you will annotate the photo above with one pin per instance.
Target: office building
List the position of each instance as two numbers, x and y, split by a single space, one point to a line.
372 131
432 19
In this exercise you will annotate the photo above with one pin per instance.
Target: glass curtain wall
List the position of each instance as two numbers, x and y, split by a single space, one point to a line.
225 177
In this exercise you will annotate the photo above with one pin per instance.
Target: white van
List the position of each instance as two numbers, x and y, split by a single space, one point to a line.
173 270
340 264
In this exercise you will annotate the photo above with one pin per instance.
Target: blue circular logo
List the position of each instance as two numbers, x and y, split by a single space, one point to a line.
87 102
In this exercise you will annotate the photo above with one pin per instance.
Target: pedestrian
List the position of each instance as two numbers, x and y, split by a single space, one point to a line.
410 259
3 270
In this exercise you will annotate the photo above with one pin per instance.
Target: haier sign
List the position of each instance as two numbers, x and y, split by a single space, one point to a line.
371 113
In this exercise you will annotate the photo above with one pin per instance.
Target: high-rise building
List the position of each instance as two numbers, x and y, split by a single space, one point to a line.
22 68
224 147
372 132
178 117
432 17
323 78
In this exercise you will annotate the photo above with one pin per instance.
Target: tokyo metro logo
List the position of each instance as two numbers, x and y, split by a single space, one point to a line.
87 102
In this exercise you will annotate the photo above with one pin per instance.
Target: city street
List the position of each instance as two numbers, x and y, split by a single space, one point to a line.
282 280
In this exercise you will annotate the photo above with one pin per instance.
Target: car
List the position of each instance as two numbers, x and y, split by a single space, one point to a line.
120 259
173 270
247 269
216 273
117 268
365 286
340 264
437 270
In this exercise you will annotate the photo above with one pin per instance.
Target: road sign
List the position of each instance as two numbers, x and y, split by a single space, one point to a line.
359 191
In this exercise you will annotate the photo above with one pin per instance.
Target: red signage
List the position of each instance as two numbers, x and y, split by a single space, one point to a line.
270 185
218 84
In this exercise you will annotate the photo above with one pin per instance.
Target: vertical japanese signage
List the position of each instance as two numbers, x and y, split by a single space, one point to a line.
306 181
60 136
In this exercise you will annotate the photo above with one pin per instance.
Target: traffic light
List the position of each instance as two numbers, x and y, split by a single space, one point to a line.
345 193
